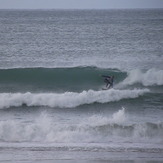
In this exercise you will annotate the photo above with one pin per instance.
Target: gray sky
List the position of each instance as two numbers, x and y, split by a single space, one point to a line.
79 4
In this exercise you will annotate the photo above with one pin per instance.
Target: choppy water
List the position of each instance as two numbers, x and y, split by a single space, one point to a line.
51 97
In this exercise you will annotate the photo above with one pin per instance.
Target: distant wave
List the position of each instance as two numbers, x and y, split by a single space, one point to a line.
67 99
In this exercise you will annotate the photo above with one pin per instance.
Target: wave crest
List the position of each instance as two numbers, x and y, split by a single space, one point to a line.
67 99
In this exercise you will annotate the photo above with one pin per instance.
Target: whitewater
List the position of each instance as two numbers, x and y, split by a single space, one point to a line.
52 104
66 100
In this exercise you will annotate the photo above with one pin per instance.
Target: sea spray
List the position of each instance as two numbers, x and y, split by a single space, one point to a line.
147 78
119 116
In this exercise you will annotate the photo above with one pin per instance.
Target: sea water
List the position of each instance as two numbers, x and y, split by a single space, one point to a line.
52 106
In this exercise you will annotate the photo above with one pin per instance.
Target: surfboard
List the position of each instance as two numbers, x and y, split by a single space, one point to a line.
105 88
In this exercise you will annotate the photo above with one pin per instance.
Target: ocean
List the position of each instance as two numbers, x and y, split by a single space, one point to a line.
52 104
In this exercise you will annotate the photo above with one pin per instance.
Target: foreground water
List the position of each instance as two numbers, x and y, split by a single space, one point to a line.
52 106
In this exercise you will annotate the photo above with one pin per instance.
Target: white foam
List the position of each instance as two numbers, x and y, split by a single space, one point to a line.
94 128
119 117
68 99
148 78
46 129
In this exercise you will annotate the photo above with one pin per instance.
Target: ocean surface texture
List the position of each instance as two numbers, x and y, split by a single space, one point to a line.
52 105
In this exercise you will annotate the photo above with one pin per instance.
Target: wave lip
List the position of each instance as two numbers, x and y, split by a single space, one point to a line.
67 99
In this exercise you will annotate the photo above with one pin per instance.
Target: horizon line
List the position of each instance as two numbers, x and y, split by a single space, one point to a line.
79 8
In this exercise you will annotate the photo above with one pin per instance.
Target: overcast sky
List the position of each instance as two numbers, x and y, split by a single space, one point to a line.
79 4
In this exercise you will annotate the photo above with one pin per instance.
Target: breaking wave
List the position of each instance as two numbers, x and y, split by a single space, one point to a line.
96 128
148 78
67 99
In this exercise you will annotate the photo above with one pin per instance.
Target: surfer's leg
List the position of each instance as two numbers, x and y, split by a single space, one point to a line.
107 82
110 85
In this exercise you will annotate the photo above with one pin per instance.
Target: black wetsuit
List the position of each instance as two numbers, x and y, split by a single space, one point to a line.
108 80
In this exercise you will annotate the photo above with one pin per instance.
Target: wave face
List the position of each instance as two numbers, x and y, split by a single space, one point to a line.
55 79
73 79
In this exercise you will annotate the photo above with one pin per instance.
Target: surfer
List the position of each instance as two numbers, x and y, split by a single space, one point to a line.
109 81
